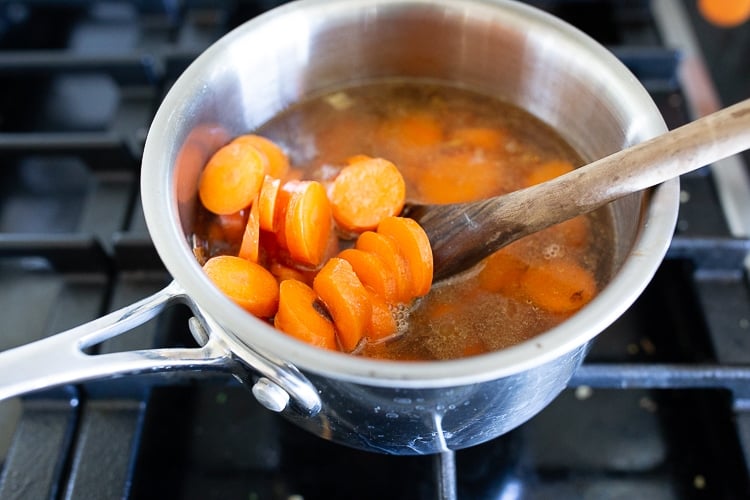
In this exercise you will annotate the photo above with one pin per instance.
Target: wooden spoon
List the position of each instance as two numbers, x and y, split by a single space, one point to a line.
462 234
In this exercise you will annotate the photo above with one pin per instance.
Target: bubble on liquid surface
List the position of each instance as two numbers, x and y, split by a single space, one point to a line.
553 251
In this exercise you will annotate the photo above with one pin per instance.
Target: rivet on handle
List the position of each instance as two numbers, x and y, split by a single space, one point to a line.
270 395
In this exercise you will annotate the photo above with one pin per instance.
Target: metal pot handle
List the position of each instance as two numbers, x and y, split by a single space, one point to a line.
60 359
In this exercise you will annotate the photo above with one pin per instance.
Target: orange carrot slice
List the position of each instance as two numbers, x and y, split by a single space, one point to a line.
303 316
559 286
414 247
250 245
458 176
357 158
574 232
276 162
419 129
283 273
231 179
548 171
347 300
269 192
382 323
502 273
248 284
385 248
365 192
479 137
372 272
283 197
308 223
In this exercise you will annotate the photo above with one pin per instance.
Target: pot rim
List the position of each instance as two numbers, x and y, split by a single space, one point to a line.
162 219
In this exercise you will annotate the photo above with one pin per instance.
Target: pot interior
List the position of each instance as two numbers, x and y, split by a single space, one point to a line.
507 50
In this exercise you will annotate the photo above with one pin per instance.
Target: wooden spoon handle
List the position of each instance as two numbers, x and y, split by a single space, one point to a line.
687 148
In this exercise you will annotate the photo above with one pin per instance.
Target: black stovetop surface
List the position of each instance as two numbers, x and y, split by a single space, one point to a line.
659 410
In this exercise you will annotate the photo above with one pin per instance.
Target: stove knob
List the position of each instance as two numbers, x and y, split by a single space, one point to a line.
270 395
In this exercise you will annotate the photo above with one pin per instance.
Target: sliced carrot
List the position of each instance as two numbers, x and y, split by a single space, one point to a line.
248 284
269 192
440 308
548 171
372 272
302 316
478 137
357 158
347 300
231 179
414 246
418 129
276 161
286 191
574 232
457 177
308 223
385 248
502 273
365 192
382 322
559 286
283 273
250 245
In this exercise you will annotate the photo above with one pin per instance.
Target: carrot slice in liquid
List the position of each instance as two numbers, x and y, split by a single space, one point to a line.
231 179
419 129
479 137
559 286
248 284
308 223
372 272
548 171
250 245
414 247
382 323
286 191
347 300
267 198
502 273
276 162
385 248
300 315
365 192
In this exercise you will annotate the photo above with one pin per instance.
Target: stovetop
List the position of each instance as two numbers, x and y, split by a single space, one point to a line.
660 409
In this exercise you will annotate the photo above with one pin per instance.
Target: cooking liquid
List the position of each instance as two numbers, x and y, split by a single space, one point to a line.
481 147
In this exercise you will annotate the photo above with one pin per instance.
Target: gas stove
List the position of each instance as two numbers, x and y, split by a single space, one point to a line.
660 409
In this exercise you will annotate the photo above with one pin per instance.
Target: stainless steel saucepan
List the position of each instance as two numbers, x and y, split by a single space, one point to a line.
506 49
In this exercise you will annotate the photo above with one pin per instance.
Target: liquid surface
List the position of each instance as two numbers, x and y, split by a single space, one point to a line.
453 145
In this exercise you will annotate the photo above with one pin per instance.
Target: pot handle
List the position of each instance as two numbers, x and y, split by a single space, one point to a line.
60 359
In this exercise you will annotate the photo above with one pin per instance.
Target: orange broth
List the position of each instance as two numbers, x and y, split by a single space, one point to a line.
451 145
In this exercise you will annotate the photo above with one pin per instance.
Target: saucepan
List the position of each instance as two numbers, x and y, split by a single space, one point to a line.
509 50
